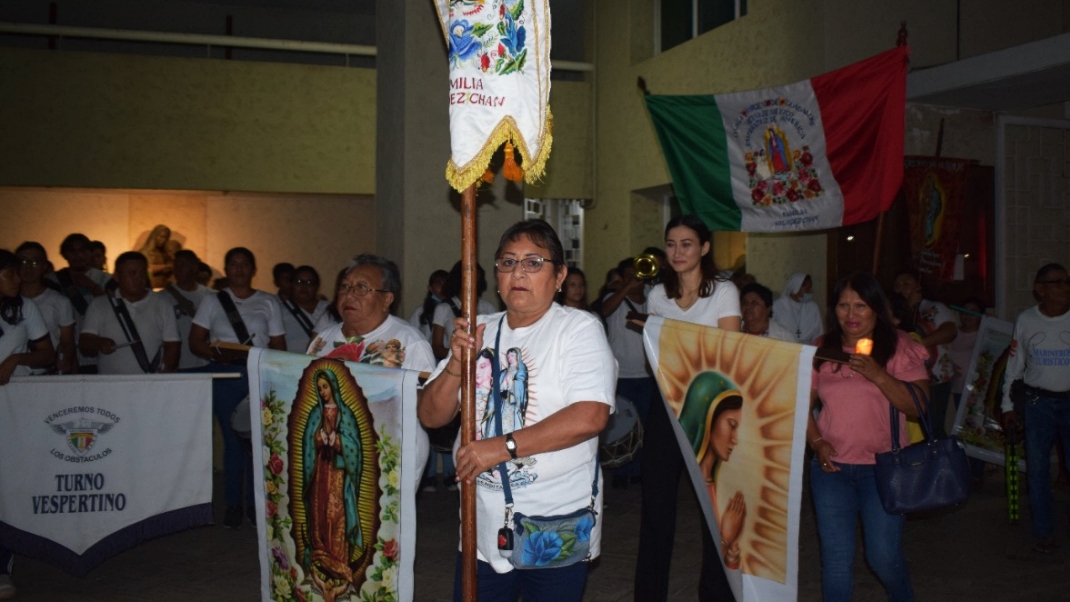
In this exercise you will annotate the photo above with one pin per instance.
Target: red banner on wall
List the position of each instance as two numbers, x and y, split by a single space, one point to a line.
933 188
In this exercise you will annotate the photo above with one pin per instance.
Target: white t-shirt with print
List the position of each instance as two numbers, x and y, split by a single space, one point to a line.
444 317
723 303
188 359
296 339
394 344
260 312
155 322
16 338
561 359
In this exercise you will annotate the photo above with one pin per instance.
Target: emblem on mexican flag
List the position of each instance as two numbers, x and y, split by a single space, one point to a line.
816 154
499 54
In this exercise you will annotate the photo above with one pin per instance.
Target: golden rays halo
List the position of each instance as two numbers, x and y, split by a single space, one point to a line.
765 372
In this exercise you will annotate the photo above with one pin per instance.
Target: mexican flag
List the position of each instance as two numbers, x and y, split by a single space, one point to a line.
816 154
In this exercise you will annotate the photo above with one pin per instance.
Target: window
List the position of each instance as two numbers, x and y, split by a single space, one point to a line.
681 20
566 216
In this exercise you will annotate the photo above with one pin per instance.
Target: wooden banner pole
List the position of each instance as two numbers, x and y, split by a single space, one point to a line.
877 242
468 389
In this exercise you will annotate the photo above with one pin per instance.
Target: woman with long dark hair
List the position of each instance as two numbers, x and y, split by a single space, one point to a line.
854 426
690 291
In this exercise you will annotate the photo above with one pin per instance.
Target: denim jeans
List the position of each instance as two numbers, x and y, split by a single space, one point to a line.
840 498
1045 419
563 584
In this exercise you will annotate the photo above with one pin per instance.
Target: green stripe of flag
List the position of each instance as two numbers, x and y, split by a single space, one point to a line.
694 143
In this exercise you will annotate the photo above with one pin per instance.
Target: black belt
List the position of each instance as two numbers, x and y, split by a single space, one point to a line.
1031 390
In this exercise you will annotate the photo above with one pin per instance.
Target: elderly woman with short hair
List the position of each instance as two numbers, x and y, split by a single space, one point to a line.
369 334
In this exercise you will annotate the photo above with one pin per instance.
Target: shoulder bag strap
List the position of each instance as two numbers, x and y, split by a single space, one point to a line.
497 398
184 304
132 336
66 283
299 315
234 317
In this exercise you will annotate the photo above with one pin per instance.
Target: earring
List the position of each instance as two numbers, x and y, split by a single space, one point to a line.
559 289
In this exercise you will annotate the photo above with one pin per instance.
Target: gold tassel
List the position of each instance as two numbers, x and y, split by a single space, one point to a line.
488 177
510 169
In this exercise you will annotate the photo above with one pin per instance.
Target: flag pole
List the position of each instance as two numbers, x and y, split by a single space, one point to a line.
468 389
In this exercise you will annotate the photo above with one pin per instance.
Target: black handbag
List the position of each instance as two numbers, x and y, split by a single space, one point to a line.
931 474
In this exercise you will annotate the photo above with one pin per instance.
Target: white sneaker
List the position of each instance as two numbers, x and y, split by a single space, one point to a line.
7 588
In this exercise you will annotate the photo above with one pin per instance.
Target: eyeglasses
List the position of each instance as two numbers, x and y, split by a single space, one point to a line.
360 290
1062 281
31 262
305 281
529 265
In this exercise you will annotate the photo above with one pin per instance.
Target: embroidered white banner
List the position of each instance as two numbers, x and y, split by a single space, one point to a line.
93 465
499 54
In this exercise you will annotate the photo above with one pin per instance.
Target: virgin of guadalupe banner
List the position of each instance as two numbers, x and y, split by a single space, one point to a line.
333 443
94 465
975 421
499 54
741 404
933 188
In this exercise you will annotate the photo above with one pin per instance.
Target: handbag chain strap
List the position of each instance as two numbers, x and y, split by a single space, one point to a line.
923 415
495 388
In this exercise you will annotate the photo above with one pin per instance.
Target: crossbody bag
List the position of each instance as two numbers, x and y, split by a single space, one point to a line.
539 542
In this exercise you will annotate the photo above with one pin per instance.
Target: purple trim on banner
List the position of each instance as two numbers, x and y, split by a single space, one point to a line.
27 544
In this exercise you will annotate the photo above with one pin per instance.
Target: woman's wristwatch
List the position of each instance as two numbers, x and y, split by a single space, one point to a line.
510 445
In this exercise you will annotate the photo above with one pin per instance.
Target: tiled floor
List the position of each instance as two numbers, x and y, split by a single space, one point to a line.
968 554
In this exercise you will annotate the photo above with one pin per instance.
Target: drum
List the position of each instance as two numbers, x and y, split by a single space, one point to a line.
442 438
622 437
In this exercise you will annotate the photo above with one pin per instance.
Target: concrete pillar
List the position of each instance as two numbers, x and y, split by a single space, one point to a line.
417 213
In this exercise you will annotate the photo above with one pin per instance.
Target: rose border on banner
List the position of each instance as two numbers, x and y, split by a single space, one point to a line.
387 572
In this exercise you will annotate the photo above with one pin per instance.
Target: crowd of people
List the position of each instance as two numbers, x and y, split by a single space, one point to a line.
542 458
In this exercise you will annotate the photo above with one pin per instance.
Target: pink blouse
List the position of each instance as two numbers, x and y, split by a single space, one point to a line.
854 416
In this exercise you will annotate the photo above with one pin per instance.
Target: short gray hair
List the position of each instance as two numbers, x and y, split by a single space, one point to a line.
387 269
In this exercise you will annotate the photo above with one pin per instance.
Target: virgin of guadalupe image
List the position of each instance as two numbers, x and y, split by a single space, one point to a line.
334 480
514 388
710 419
777 151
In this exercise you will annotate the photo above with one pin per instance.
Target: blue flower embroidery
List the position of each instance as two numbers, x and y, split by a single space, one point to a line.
542 548
583 528
512 36
463 44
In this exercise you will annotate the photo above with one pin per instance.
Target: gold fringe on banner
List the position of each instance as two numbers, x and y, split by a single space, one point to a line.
507 131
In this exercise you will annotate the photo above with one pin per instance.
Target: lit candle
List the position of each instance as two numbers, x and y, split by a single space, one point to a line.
864 346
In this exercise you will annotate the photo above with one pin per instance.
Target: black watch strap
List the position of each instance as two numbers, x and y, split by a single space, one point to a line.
510 445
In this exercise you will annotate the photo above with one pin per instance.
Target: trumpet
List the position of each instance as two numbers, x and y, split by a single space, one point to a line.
646 266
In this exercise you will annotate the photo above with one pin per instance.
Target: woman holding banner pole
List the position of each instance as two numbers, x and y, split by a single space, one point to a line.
552 396
690 291
853 427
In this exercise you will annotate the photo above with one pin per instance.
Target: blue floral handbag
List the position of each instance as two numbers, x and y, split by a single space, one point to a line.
541 542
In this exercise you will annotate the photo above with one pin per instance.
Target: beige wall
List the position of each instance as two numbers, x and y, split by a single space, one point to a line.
778 42
324 231
116 121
